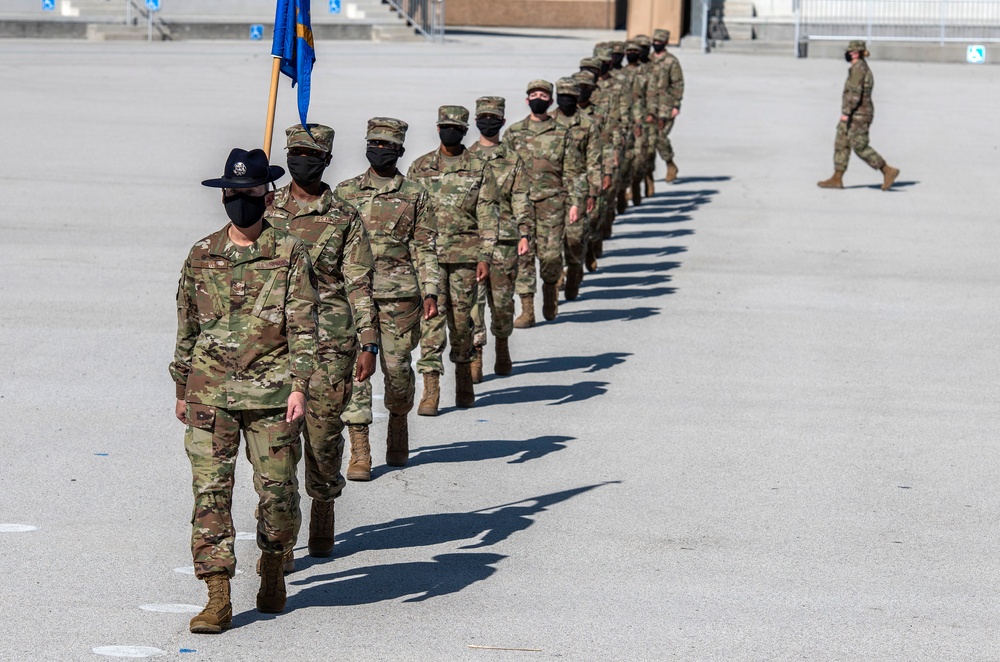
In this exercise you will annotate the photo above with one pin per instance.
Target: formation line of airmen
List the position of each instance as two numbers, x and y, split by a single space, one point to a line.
283 312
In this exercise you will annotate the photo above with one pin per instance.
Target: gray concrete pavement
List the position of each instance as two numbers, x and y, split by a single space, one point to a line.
766 431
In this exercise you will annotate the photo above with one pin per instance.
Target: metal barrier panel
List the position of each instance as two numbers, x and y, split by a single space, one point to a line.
425 16
900 20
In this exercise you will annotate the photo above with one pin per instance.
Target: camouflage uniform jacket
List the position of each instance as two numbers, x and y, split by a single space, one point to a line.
342 259
638 95
517 215
463 195
246 325
625 78
607 100
605 140
857 102
554 165
401 231
583 133
667 85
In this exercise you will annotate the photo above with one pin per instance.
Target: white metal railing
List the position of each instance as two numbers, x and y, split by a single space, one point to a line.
941 21
425 16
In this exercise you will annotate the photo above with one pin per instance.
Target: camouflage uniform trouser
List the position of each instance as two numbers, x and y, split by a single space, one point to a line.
498 291
550 228
854 135
399 326
456 299
329 393
649 131
212 442
663 145
575 239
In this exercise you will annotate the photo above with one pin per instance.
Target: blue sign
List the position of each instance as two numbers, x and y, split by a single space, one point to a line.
334 6
153 5
48 5
256 32
975 54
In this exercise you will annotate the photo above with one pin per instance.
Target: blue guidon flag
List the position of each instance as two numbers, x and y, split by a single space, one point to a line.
293 43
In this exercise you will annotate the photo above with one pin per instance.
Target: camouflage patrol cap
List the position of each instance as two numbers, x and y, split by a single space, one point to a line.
857 46
585 79
591 63
642 40
321 138
631 45
458 115
541 86
568 86
603 54
490 106
618 47
388 129
660 34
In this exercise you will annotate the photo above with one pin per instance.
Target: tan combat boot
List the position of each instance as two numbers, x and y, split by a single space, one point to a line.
397 443
526 319
650 189
636 193
503 365
621 207
271 596
672 171
574 276
550 301
465 395
477 366
218 613
432 394
837 181
592 257
360 465
321 523
889 175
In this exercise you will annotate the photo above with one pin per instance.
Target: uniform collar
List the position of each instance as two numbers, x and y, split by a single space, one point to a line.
264 247
394 185
283 200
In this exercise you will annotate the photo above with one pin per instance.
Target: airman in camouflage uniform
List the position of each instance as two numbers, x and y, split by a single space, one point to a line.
650 122
397 215
342 260
636 87
557 177
246 346
609 97
857 113
608 162
516 225
622 77
584 135
668 86
464 197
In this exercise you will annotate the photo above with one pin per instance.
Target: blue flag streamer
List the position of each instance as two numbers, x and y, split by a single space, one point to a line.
293 43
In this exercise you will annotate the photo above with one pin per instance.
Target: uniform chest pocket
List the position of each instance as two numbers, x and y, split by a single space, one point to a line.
212 278
472 187
272 279
401 214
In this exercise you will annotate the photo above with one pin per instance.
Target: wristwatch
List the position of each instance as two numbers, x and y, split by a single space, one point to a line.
431 296
371 347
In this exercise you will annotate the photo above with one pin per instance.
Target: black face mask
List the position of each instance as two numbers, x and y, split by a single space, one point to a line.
659 46
244 210
847 57
605 68
633 57
585 93
539 106
644 54
383 159
489 126
306 169
567 104
616 60
451 136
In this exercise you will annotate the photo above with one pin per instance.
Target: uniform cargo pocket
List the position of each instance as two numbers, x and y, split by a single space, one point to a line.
270 304
200 416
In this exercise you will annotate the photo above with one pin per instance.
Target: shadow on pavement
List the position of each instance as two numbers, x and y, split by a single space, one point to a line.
659 251
633 267
608 281
521 451
564 363
558 394
604 315
878 187
418 580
